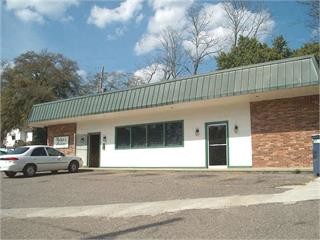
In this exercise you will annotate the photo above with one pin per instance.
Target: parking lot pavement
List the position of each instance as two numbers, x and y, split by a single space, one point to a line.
271 221
106 187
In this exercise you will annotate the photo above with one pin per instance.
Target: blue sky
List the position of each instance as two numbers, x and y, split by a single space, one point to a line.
96 33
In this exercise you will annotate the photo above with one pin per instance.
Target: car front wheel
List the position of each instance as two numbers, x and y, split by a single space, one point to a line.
10 174
73 167
29 170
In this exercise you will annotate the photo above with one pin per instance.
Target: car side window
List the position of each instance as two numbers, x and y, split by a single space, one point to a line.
53 152
39 152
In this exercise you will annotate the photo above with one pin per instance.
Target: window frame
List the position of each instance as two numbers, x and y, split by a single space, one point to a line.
131 136
165 139
27 149
163 135
45 150
163 145
60 153
116 138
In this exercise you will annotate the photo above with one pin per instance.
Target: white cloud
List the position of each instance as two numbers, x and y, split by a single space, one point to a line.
139 18
151 73
127 10
118 32
146 44
38 10
167 13
219 28
29 16
82 73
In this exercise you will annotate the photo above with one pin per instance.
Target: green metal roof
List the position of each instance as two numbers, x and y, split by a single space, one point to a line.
287 73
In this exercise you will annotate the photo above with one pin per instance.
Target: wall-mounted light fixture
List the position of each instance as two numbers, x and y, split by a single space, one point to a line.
104 139
82 139
197 132
236 128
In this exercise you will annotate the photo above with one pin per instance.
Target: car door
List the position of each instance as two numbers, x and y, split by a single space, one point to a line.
39 157
57 159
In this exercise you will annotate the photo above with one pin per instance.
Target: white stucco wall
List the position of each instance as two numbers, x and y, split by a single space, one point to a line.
18 135
192 154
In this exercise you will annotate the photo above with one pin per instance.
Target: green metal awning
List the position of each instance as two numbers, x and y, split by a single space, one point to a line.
282 74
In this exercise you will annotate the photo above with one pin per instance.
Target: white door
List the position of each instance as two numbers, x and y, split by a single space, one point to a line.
82 147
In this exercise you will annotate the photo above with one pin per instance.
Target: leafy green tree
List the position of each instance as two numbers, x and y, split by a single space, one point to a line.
308 48
248 51
251 51
280 46
35 78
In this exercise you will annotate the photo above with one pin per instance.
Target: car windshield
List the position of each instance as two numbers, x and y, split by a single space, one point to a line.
19 150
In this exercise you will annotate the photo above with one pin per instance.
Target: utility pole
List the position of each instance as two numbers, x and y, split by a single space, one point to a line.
100 86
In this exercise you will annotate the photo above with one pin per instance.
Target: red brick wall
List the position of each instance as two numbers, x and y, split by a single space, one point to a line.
63 130
282 129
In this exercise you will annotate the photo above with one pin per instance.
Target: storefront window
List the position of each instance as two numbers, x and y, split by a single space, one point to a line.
155 134
123 137
174 134
165 134
139 136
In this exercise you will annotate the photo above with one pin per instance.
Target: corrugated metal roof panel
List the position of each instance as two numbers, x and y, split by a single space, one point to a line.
145 97
259 77
165 93
183 84
305 71
176 91
192 86
218 85
252 79
297 73
287 73
205 88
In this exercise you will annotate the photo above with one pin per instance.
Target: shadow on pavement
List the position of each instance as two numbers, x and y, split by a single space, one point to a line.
135 229
43 174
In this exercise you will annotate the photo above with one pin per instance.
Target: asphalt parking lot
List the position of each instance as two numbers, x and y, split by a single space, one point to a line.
105 187
293 221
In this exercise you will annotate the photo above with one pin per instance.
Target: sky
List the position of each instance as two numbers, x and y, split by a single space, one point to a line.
123 35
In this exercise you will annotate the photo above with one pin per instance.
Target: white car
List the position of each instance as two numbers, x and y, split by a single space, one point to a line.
32 159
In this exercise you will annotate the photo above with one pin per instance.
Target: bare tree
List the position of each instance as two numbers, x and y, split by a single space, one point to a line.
171 54
314 19
134 80
242 22
118 80
149 71
199 44
111 81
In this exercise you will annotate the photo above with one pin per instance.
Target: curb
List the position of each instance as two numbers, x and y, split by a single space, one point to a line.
269 170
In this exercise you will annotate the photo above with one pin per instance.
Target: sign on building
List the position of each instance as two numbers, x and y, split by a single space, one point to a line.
61 142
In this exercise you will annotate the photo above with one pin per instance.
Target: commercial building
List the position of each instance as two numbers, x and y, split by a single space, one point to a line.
16 135
259 115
